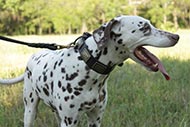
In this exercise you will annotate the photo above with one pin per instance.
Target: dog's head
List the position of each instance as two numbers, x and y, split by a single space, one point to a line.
129 34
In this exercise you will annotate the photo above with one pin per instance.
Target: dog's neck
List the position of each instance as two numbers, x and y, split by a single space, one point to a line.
112 54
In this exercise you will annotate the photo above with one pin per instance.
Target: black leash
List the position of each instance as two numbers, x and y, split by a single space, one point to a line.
52 46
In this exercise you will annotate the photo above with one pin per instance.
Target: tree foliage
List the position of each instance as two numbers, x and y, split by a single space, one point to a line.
76 16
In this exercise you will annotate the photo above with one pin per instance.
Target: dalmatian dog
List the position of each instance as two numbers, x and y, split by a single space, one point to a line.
73 80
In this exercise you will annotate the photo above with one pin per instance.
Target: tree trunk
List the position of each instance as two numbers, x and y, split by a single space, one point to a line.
175 19
84 27
164 15
69 29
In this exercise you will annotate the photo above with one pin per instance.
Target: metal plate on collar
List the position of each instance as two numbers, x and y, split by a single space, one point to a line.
85 54
99 67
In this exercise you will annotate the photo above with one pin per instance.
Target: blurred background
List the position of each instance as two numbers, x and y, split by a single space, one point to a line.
24 17
137 97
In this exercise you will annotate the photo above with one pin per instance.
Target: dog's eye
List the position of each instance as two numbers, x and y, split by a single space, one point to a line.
146 29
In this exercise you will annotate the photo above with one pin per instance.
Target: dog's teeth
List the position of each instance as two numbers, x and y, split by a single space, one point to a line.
155 65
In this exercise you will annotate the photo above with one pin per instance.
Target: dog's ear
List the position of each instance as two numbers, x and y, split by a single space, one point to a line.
102 34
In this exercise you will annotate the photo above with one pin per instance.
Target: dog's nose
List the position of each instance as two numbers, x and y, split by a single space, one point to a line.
175 37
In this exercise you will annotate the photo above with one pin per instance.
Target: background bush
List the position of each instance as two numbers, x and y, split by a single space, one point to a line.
76 16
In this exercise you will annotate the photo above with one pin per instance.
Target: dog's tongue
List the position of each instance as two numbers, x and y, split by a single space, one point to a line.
160 66
162 69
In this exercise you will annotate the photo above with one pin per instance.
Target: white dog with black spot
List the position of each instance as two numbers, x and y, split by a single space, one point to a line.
72 81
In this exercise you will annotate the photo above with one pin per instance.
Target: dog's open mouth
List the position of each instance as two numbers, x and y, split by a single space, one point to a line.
150 61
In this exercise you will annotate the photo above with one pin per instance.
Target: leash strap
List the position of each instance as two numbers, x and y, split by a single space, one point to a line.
52 46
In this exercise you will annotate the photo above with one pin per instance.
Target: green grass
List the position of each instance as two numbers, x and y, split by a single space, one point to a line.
137 97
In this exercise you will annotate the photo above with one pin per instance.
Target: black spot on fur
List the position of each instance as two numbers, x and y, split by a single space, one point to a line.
58 96
32 100
77 93
46 91
120 41
62 54
37 58
87 76
39 78
105 51
133 31
60 107
63 89
75 122
98 119
25 101
45 78
92 125
66 98
82 105
45 66
79 89
121 64
90 89
29 73
113 35
95 81
94 101
52 87
63 70
51 74
80 109
45 55
36 92
65 121
38 61
69 89
54 67
59 84
72 97
87 68
116 48
72 76
82 82
38 89
72 106
119 29
46 85
80 58
60 62
30 95
70 119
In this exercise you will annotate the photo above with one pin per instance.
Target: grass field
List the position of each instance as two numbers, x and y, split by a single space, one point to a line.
137 97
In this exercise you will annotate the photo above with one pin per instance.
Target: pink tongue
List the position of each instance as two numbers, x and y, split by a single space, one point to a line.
162 69
160 66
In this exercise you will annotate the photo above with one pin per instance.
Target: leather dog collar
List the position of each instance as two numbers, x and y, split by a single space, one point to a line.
90 60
